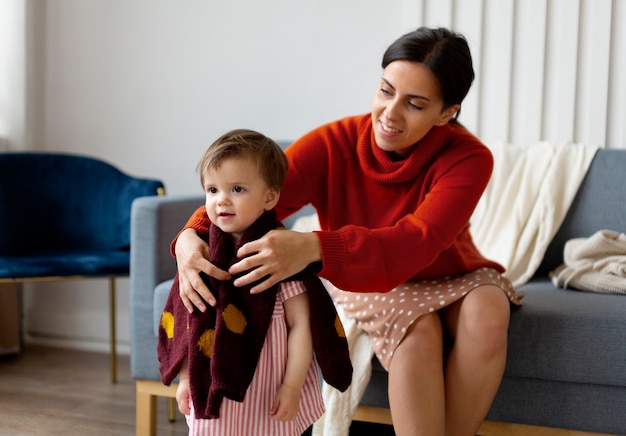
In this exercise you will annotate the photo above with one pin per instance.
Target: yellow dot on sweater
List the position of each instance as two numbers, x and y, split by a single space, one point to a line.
234 320
205 343
167 322
339 327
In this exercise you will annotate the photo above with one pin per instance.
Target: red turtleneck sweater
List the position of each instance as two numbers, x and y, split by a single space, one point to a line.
386 221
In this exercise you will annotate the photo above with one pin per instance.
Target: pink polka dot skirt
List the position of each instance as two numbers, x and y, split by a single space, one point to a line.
386 317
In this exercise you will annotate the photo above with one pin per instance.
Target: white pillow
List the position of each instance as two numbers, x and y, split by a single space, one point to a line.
306 223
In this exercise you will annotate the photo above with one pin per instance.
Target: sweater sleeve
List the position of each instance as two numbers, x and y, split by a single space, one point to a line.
199 221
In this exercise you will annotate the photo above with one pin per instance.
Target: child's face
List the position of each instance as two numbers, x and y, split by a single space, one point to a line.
236 195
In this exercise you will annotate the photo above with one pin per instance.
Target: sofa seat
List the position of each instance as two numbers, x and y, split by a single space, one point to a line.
566 361
161 292
90 263
581 326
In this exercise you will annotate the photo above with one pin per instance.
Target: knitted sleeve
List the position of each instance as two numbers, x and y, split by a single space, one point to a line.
199 221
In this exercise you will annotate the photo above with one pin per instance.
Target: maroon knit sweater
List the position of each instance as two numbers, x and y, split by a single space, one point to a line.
223 344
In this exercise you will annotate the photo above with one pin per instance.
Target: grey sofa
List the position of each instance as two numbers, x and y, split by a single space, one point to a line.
566 365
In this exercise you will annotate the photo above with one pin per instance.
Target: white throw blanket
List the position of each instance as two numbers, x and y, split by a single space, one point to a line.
526 201
524 204
596 264
340 406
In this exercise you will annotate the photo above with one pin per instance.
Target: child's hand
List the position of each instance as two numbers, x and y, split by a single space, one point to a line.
183 396
286 404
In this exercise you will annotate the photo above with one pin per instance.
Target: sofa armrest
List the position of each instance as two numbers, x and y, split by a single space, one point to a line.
155 221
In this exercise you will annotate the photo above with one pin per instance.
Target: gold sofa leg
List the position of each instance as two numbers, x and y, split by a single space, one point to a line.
146 404
112 327
171 409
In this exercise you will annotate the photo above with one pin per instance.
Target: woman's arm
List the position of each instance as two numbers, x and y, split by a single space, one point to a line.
299 356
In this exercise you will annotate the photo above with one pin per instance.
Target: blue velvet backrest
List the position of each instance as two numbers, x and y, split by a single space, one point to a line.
56 202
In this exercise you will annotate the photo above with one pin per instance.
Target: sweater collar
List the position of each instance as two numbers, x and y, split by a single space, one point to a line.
378 166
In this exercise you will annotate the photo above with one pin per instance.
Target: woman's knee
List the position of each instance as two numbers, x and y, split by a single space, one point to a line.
484 314
424 337
492 320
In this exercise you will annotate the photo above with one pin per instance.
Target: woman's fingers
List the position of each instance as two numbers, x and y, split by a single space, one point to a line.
192 255
274 257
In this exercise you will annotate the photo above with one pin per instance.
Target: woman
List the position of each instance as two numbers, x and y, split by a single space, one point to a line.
394 191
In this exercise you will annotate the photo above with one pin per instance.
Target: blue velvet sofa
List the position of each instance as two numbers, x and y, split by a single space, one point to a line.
566 366
67 216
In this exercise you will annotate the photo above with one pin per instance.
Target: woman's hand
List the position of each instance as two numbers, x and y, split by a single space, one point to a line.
192 255
279 254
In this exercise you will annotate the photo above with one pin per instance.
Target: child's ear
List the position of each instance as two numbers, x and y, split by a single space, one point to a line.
271 198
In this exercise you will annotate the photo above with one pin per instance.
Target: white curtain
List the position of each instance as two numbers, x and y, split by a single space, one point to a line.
12 73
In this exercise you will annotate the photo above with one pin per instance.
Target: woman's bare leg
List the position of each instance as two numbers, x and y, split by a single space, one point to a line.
416 385
474 369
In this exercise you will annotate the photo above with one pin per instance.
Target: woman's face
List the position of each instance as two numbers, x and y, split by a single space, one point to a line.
407 104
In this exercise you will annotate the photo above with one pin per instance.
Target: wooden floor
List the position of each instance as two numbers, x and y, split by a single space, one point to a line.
50 391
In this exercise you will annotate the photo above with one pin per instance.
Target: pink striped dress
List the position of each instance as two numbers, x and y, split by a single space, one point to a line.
251 417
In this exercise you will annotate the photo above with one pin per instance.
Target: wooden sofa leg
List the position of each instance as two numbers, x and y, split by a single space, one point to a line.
146 408
145 412
112 328
171 409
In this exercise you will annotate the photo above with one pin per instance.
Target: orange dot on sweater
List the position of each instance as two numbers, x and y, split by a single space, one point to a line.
339 327
234 320
205 343
167 322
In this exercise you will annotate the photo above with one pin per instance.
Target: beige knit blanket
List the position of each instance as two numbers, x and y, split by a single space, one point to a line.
596 264
527 198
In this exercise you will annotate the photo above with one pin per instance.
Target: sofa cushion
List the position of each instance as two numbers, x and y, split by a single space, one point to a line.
567 335
66 263
161 291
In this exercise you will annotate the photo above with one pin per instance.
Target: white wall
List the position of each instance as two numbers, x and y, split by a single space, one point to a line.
12 73
149 84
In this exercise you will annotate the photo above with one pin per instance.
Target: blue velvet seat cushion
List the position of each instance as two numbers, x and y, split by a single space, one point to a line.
90 263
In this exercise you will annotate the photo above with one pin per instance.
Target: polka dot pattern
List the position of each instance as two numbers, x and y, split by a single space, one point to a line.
386 317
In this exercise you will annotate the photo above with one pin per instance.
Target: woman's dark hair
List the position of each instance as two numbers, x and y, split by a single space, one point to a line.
444 52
